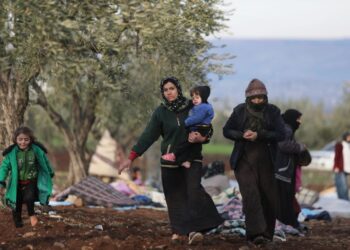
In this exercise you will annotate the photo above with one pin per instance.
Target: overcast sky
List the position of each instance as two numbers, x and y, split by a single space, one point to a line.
289 19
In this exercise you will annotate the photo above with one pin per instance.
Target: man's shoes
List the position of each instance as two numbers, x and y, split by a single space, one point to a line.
169 157
195 238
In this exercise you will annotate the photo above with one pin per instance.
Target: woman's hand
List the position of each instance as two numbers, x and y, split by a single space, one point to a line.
250 135
196 137
124 165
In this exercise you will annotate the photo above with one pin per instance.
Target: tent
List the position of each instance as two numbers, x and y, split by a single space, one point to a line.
106 158
95 192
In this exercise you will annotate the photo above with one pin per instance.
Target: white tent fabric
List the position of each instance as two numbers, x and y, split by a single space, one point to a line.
106 158
329 201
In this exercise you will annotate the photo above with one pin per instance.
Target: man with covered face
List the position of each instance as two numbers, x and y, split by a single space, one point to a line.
256 126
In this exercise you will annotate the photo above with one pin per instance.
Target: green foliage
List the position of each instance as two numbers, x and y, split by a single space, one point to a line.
316 179
44 130
104 59
217 149
220 119
316 127
340 117
320 125
176 46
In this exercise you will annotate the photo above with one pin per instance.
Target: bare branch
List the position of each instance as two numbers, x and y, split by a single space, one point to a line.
54 115
89 116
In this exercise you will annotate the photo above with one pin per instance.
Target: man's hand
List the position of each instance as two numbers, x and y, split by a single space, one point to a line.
196 137
250 135
124 165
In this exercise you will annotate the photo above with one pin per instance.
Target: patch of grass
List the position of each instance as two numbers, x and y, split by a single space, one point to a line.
317 180
217 149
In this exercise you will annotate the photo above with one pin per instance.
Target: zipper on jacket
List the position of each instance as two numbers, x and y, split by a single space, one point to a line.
178 121
168 149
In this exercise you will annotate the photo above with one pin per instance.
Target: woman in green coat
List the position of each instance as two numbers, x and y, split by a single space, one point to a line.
191 210
29 171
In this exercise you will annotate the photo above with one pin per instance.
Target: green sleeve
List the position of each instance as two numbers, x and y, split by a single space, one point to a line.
4 170
150 134
49 167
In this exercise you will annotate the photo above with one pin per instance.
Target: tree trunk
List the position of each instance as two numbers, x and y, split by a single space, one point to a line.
75 138
77 164
14 97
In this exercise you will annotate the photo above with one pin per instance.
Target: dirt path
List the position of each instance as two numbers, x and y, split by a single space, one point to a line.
98 228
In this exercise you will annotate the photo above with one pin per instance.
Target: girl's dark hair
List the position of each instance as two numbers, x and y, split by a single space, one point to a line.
23 130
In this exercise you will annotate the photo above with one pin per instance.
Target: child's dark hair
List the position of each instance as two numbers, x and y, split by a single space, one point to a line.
202 91
135 169
23 130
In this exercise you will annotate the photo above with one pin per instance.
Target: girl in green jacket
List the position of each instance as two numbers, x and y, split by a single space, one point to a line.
29 171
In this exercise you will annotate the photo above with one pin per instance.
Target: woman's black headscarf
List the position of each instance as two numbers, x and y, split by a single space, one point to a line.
181 102
290 117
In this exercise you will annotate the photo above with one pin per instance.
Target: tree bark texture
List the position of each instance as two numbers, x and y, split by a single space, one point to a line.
14 97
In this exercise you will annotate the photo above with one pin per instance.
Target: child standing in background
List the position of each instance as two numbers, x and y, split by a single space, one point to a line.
199 119
30 173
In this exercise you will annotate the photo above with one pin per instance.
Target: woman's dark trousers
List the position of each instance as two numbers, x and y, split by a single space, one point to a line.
255 177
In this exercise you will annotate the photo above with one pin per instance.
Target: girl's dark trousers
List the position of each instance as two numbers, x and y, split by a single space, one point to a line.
255 176
26 193
190 208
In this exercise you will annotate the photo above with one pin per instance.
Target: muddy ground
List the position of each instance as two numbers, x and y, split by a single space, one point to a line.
99 228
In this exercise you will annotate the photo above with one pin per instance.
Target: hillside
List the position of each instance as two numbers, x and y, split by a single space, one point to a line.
290 68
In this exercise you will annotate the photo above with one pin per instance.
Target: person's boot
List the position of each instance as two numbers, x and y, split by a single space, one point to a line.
17 219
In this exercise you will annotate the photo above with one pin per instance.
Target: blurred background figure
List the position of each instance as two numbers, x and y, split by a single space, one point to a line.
341 166
214 179
136 175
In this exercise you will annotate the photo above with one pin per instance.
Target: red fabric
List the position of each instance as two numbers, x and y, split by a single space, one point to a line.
24 182
338 157
133 155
